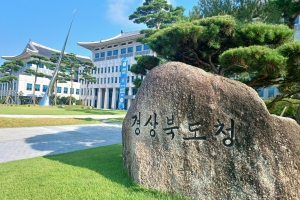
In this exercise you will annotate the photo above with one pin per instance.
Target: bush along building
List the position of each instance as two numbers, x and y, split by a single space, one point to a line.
22 90
113 87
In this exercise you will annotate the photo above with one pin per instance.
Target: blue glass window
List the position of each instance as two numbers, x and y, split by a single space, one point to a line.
65 90
115 52
101 70
40 66
77 91
271 92
37 87
71 90
138 48
29 64
45 88
102 54
116 68
123 50
47 67
97 55
146 47
58 89
297 20
109 53
130 49
29 86
112 69
108 71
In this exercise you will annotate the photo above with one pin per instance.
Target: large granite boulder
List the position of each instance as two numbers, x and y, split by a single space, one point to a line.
208 137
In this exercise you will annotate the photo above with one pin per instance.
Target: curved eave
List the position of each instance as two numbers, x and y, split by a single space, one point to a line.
24 55
92 45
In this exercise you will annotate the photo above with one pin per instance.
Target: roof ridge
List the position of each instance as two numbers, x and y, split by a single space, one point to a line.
42 46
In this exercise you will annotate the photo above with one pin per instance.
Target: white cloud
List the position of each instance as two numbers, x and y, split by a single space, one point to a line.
172 2
119 10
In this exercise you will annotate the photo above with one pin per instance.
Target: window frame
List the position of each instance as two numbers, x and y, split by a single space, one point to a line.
29 86
58 90
139 48
123 51
130 49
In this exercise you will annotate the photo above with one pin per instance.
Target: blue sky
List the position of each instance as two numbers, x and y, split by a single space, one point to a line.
47 22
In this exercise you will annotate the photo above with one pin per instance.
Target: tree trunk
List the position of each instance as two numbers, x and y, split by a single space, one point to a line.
86 92
285 107
55 92
70 100
33 93
9 92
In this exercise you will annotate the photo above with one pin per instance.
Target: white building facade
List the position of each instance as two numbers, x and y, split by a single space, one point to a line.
23 87
107 56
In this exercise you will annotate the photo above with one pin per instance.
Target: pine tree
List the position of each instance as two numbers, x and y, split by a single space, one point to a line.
8 68
86 76
37 60
257 54
155 13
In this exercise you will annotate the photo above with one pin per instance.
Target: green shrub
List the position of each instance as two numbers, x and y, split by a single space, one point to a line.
290 111
79 102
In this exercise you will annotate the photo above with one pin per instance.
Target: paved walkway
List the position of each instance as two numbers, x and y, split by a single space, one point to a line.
21 143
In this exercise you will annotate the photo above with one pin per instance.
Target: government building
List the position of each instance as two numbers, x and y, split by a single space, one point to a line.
23 87
114 83
107 56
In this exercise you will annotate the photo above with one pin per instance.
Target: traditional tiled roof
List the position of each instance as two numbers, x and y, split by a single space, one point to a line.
120 37
35 48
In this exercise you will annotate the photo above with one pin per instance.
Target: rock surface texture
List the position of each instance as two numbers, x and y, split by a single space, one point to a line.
209 137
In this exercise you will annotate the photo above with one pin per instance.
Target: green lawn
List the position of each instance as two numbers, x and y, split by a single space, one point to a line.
30 122
54 110
95 173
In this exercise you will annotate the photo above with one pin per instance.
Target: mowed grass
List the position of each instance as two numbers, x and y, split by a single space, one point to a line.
54 110
30 122
87 174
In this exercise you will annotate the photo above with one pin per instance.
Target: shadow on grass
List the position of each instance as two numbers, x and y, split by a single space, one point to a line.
105 160
97 111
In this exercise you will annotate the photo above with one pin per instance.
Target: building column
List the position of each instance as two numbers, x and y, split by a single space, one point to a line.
106 100
113 101
99 98
129 100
